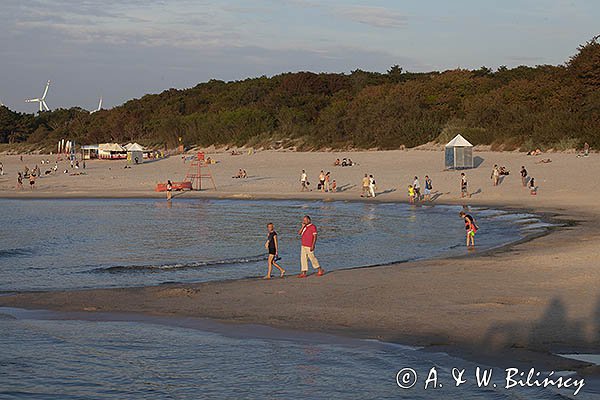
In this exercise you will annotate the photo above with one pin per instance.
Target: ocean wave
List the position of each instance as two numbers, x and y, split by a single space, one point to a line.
7 253
178 266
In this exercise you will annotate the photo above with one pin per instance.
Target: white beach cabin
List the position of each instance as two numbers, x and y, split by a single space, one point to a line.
135 153
459 153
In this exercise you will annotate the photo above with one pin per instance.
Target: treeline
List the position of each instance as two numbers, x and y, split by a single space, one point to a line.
523 107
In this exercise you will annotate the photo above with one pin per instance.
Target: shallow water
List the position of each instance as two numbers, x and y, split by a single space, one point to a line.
45 356
67 244
61 244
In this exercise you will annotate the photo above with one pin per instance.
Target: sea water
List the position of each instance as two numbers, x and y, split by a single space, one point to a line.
65 244
73 244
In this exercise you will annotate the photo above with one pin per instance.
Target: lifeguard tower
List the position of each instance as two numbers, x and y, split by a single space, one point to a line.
199 170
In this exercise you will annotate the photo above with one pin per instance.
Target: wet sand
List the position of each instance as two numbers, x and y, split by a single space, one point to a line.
519 303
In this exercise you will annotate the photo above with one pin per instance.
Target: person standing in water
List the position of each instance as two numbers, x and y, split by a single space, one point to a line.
308 233
169 190
417 189
272 245
428 188
470 228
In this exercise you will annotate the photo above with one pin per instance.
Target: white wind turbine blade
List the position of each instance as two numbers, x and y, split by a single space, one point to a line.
43 102
100 104
46 90
31 100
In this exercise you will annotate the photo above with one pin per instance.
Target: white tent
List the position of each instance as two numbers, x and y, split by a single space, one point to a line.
135 153
459 153
111 151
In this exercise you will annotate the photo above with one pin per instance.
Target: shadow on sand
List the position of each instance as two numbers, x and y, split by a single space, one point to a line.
477 161
554 332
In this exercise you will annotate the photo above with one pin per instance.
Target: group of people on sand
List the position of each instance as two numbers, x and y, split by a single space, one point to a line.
326 184
241 174
308 240
414 190
368 186
32 175
344 162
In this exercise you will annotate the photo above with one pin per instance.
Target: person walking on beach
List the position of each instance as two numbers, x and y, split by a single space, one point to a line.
470 227
428 187
32 181
169 190
272 245
327 181
308 234
495 174
19 181
322 181
524 176
304 181
532 188
464 190
417 188
411 194
371 186
1 169
365 186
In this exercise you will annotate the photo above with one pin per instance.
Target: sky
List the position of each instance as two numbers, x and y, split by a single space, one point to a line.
124 49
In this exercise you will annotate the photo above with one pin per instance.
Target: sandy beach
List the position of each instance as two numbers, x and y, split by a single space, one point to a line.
541 295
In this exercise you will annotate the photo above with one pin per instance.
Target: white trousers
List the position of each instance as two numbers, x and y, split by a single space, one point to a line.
305 255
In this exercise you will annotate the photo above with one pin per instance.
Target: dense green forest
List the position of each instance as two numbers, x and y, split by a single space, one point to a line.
523 107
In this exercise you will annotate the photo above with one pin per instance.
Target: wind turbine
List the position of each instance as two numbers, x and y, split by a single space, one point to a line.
99 107
41 100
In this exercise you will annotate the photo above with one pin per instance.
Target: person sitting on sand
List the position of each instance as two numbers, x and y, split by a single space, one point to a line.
470 227
350 163
244 174
337 162
334 186
272 245
544 161
344 162
532 187
239 174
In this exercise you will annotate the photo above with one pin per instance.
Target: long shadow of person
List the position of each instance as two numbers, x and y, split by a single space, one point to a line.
554 328
596 325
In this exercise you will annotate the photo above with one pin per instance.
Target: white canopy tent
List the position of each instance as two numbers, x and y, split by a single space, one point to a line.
111 151
135 153
459 153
